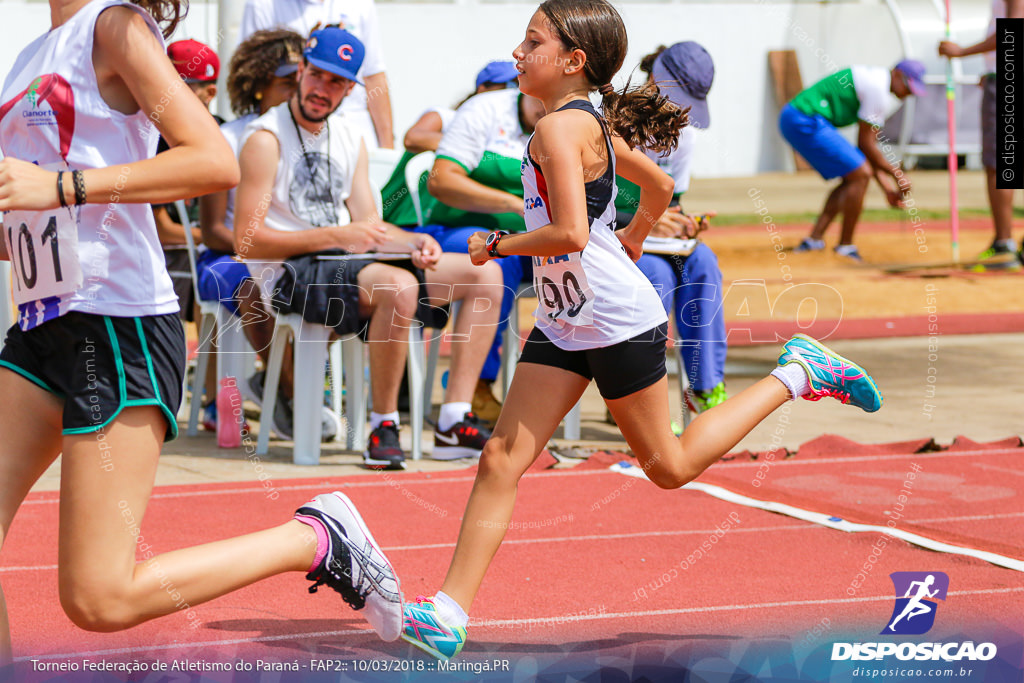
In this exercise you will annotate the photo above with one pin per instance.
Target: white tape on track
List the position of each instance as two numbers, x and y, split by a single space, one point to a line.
833 522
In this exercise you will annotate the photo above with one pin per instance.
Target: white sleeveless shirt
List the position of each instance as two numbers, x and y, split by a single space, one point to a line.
313 179
596 297
101 258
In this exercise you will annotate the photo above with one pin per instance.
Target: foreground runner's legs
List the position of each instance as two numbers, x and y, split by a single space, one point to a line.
523 429
806 368
31 429
104 494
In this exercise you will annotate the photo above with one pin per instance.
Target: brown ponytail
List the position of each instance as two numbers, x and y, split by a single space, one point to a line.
166 13
644 118
640 116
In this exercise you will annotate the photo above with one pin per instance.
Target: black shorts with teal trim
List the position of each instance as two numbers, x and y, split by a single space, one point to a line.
619 370
99 365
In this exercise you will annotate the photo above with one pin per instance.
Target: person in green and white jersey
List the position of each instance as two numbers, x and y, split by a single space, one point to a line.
862 95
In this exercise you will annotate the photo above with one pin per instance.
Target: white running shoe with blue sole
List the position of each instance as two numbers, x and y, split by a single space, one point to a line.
354 565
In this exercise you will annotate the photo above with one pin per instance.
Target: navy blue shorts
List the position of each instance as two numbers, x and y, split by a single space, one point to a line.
218 277
99 365
818 141
619 370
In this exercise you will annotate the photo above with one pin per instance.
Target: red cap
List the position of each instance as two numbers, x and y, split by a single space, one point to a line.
195 62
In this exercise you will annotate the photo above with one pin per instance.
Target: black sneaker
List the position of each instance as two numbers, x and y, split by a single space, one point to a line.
464 439
330 424
252 389
383 451
354 564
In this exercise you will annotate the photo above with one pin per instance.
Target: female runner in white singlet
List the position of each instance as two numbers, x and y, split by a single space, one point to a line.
96 360
598 317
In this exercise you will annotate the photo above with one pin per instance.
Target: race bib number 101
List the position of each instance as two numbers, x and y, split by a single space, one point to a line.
43 248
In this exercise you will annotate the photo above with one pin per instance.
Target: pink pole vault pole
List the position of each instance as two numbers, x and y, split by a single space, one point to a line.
954 213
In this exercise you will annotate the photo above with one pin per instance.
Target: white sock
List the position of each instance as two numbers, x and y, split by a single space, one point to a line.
450 611
794 377
452 413
377 418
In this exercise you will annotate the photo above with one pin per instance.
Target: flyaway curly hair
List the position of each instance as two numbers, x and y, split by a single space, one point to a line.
254 63
166 13
641 116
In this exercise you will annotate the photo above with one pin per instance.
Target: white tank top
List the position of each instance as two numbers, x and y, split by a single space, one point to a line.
313 179
596 297
234 133
101 258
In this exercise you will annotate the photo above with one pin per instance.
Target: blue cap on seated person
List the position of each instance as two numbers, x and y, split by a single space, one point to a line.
497 72
914 72
337 51
683 74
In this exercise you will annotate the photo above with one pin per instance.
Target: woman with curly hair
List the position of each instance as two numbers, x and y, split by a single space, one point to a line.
97 357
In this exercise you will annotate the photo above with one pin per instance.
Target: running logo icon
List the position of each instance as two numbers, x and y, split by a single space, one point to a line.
916 595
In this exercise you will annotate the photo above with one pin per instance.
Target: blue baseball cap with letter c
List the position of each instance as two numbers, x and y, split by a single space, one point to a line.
337 51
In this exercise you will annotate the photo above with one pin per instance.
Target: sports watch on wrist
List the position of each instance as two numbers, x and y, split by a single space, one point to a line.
492 243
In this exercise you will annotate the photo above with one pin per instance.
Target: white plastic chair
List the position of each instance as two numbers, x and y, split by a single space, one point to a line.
414 170
310 354
382 165
510 357
433 356
232 345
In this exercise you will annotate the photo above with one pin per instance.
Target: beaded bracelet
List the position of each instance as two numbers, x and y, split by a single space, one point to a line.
79 181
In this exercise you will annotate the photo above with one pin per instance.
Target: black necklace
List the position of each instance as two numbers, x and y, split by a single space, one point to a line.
311 164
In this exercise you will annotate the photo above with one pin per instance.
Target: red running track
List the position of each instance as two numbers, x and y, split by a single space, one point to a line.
595 562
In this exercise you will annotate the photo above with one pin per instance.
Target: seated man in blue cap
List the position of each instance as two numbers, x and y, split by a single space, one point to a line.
859 94
690 285
305 190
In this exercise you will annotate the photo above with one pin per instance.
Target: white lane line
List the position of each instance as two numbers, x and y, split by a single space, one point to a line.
527 541
396 483
834 522
327 486
967 518
499 623
209 643
715 608
604 537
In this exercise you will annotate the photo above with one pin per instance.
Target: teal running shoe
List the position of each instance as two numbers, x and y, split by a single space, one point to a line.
831 375
424 628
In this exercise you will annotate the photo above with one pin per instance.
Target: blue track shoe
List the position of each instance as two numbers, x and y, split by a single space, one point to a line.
831 375
424 628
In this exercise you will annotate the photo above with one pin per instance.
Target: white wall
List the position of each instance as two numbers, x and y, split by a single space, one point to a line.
434 49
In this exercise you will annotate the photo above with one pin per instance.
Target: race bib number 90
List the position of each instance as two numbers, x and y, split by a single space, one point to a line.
43 248
563 291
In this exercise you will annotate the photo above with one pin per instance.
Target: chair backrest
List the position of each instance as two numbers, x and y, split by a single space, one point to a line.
186 224
414 170
382 165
